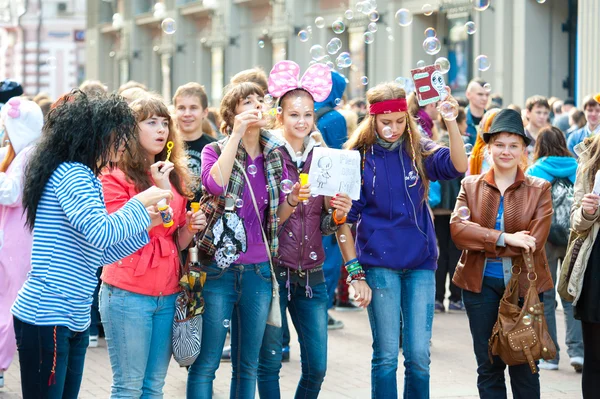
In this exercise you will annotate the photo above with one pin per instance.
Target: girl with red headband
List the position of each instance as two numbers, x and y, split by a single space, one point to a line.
392 268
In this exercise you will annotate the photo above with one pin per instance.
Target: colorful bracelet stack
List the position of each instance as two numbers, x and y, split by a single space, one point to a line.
355 271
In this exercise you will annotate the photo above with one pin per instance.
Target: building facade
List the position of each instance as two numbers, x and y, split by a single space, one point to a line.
42 44
534 47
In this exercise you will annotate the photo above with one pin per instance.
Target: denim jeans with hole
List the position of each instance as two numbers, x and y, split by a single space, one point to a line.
482 310
138 331
239 295
36 346
309 316
401 299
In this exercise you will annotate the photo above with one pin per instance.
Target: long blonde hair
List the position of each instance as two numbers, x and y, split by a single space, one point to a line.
135 166
365 136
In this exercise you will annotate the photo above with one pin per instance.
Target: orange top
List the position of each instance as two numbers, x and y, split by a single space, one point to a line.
154 269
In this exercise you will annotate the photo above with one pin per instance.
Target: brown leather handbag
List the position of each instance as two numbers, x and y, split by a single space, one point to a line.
520 334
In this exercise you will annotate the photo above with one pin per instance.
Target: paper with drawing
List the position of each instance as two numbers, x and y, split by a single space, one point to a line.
335 171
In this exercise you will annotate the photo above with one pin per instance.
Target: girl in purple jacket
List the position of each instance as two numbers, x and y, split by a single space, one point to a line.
392 268
299 263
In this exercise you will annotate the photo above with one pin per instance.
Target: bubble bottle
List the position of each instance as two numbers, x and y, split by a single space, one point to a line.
163 208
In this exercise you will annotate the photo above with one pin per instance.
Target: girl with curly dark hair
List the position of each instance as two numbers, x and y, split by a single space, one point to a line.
138 293
73 235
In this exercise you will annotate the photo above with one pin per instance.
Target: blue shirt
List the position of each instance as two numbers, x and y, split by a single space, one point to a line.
493 267
73 235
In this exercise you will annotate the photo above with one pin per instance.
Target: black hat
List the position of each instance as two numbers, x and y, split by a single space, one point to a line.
507 121
9 89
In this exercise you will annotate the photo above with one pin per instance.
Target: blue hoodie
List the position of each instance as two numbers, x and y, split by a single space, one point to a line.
549 168
332 125
394 227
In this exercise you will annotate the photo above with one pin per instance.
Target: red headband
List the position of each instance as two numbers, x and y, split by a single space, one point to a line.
389 106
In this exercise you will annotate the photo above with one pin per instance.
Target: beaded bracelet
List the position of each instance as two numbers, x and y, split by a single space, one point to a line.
351 261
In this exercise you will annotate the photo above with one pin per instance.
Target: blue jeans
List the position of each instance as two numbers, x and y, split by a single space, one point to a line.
332 267
95 324
239 295
36 347
309 316
482 310
574 338
402 299
138 331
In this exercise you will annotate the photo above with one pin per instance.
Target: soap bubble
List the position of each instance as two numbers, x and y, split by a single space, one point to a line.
482 63
481 5
317 52
330 65
338 26
286 186
464 213
342 238
430 32
168 26
290 234
320 22
299 154
372 27
443 64
470 27
303 36
338 101
51 62
369 37
387 132
541 1
448 110
527 319
364 80
403 17
374 16
334 45
279 110
349 14
432 45
420 64
343 60
229 250
239 203
268 99
226 323
252 169
261 44
468 149
391 38
487 87
313 255
427 9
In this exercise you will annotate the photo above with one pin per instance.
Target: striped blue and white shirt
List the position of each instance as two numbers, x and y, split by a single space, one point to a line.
73 235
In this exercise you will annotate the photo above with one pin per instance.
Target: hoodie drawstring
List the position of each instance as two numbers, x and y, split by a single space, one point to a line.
308 289
287 285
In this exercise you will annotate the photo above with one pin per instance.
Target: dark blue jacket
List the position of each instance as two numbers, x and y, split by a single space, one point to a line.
332 125
394 227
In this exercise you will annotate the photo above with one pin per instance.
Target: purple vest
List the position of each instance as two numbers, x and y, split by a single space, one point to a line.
300 236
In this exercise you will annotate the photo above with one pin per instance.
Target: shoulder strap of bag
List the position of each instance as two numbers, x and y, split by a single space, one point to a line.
275 284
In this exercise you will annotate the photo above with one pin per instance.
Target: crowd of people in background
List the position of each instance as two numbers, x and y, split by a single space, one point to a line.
86 250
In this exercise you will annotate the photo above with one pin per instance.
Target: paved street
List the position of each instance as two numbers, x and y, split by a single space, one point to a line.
453 369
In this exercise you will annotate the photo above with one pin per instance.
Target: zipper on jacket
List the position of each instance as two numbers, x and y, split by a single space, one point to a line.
301 241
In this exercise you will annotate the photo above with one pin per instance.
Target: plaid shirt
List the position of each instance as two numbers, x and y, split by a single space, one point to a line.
213 206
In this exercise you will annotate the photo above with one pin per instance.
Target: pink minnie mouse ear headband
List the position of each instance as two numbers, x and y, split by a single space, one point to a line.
285 76
13 111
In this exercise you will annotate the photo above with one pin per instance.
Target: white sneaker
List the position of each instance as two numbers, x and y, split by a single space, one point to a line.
577 363
545 365
93 341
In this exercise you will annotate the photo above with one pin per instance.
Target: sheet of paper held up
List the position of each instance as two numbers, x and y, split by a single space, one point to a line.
335 171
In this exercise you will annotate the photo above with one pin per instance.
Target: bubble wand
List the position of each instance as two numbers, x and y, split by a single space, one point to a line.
170 145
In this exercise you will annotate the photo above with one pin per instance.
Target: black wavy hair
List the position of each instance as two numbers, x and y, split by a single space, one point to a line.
78 129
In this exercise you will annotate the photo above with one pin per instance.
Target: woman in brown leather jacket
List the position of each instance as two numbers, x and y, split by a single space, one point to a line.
498 216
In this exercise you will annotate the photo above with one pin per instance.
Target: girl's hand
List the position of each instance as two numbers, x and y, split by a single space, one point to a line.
160 174
362 292
590 202
152 195
196 222
155 219
244 120
521 239
342 203
299 192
